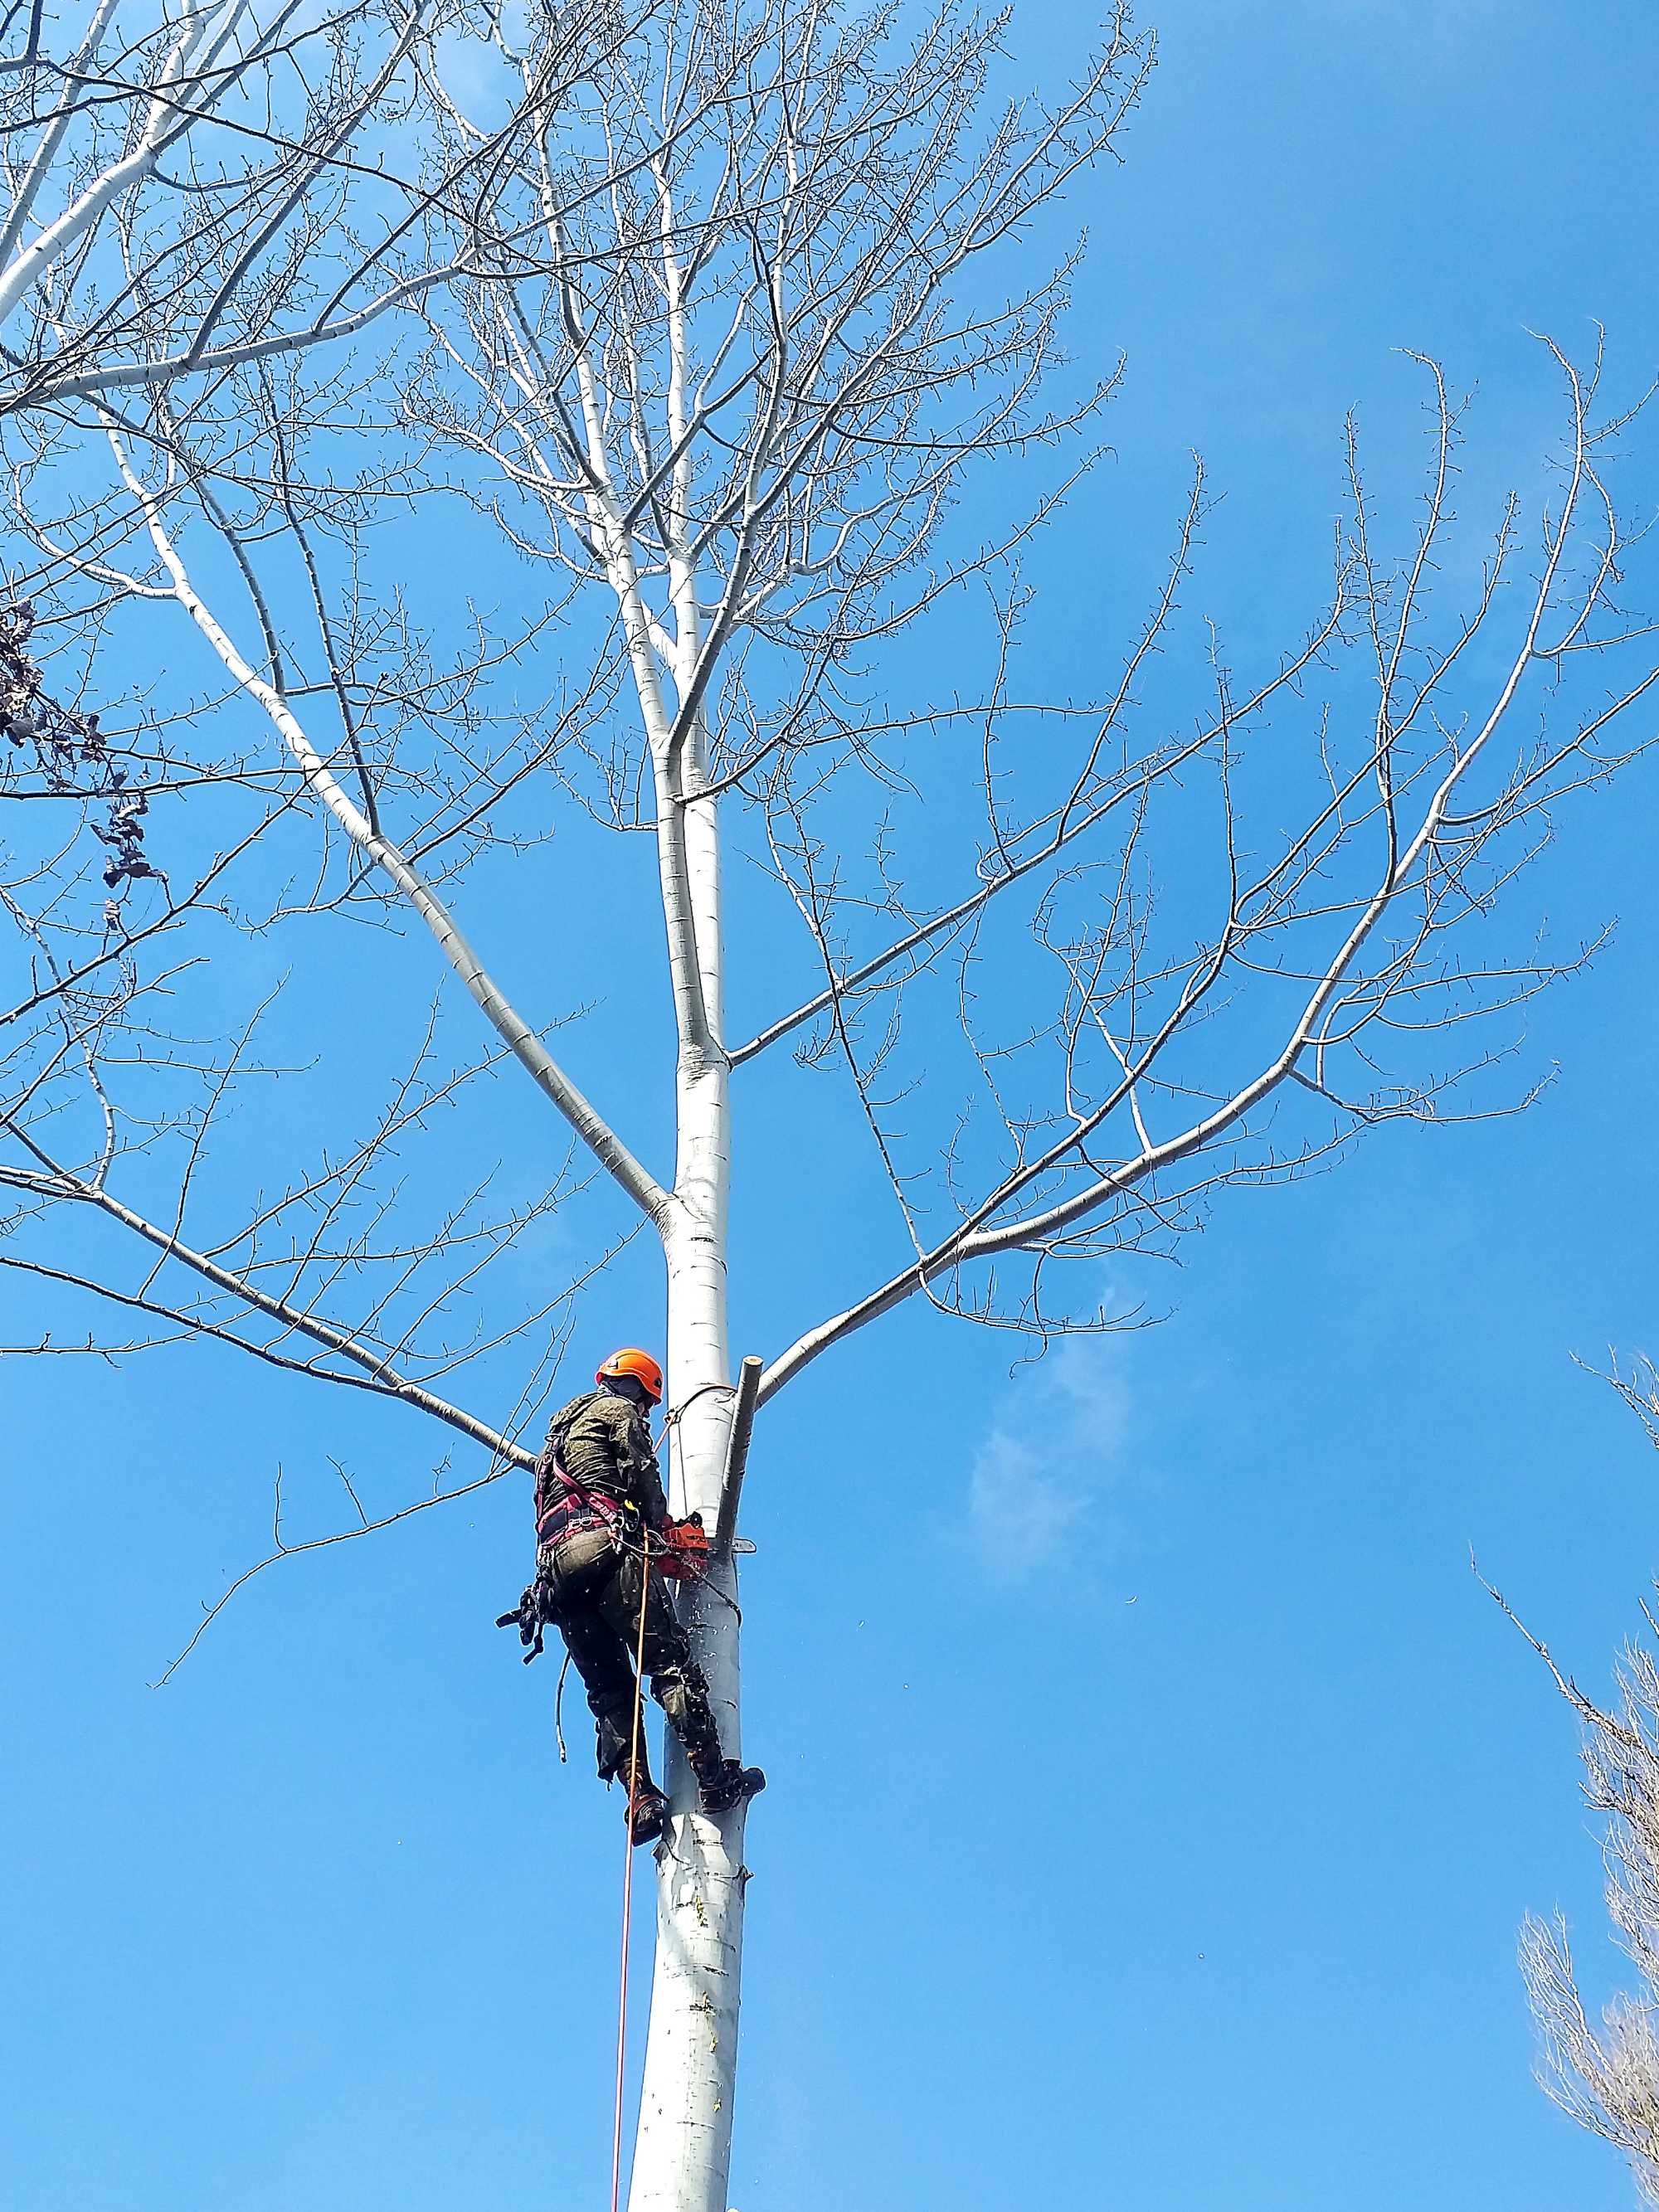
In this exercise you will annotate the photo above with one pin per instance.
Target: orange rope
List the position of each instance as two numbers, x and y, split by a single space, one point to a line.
628 1877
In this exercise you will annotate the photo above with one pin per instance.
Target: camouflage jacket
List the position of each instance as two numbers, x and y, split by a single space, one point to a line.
597 1457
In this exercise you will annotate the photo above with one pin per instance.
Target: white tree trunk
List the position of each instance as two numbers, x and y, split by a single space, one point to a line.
683 2149
684 2145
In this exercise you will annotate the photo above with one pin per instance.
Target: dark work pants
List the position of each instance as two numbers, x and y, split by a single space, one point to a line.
596 1599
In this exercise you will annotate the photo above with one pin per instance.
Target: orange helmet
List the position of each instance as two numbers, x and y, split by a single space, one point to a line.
630 1360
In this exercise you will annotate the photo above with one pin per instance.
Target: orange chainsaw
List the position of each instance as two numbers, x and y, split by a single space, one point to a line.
684 1553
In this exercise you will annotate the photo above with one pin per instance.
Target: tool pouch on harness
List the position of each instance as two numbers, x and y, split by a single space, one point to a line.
532 1616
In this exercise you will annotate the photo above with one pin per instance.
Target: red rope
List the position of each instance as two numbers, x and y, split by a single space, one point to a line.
628 1881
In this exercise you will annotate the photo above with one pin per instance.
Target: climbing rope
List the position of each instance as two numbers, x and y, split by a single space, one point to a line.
628 1881
678 1413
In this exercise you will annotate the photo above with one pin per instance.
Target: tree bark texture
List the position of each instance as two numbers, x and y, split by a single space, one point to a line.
684 2144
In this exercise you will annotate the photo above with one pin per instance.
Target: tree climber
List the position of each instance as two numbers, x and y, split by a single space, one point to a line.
601 1520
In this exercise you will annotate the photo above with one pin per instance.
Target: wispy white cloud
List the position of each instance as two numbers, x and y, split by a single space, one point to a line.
1060 1442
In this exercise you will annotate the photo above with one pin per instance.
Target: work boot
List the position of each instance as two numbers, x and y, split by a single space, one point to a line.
730 1785
647 1816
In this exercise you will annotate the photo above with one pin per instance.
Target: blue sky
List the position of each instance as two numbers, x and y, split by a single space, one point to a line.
1167 1856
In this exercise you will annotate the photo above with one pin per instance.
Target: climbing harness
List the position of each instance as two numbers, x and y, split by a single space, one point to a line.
679 1553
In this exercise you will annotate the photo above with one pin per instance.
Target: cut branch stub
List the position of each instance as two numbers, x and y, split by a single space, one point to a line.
736 1455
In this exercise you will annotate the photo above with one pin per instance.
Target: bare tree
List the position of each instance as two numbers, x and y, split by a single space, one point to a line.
215 185
723 353
1606 2077
205 204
